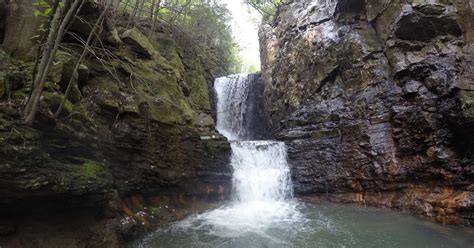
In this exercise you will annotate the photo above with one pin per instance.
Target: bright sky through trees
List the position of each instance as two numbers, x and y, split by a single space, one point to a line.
244 24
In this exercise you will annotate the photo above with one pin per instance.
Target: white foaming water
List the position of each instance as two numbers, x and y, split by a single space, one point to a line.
232 93
261 196
260 171
262 190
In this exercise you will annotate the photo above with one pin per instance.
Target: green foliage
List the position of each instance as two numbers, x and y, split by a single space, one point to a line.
252 68
207 24
201 26
265 7
43 8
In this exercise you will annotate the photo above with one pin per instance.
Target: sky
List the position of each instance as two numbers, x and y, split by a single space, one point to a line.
245 30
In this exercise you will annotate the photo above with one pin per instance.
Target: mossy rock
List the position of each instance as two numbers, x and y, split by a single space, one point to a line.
61 60
61 73
161 97
89 168
107 90
105 85
83 75
199 94
467 103
54 100
139 43
168 49
51 86
88 175
20 94
108 104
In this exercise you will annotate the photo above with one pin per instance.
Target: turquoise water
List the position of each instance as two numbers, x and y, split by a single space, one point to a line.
322 226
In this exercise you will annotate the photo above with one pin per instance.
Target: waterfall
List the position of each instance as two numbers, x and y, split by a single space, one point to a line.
262 212
261 172
261 203
240 110
262 190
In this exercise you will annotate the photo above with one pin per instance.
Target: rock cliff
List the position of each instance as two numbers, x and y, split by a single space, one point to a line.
135 142
375 101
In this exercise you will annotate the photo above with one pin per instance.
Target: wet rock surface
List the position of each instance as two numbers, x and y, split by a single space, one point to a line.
374 101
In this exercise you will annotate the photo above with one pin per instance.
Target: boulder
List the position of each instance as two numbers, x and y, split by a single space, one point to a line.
139 43
205 120
62 71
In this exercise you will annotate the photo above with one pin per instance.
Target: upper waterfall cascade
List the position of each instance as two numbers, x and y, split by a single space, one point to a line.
240 110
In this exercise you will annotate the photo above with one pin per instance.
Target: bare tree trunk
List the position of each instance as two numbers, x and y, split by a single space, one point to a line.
142 7
20 26
152 11
154 16
127 3
47 60
43 40
83 55
183 8
117 5
134 12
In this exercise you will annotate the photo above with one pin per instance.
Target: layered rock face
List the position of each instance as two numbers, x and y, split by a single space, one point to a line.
375 101
134 141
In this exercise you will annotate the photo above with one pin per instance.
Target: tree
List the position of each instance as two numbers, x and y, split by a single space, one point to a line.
56 33
85 51
19 16
203 24
267 8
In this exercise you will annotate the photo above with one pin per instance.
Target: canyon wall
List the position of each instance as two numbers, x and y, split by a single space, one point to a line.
135 144
375 100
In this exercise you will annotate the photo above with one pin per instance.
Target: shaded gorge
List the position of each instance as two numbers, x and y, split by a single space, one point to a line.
262 211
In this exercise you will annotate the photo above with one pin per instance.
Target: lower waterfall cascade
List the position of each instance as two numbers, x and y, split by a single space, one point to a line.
262 211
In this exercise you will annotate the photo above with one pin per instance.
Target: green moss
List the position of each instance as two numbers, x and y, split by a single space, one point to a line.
89 168
139 42
467 101
165 101
154 210
55 99
104 85
61 60
21 95
199 96
169 51
50 86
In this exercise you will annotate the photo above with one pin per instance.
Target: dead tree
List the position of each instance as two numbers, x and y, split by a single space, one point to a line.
58 28
155 9
85 51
